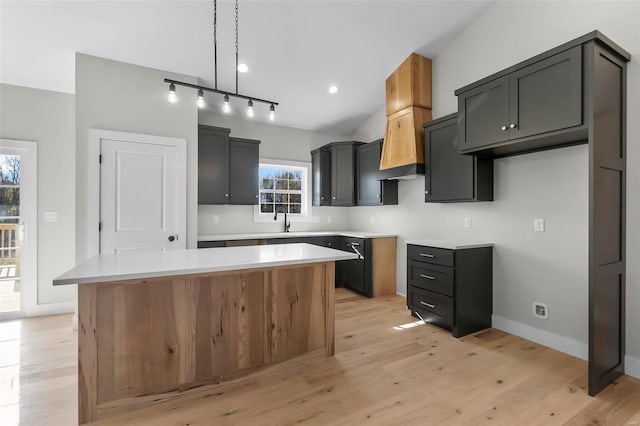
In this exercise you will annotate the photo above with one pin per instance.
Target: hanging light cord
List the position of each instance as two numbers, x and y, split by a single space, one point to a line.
237 46
215 43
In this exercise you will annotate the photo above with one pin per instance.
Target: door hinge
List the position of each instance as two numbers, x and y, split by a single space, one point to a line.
100 159
99 226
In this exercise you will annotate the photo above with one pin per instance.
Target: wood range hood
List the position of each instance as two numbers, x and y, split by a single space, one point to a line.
408 92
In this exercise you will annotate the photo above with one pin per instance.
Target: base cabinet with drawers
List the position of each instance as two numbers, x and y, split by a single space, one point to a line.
451 287
372 274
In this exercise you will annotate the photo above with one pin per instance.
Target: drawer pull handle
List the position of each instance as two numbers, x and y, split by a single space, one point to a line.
428 305
429 277
427 255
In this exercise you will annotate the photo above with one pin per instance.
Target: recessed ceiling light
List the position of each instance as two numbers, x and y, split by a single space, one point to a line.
333 89
243 68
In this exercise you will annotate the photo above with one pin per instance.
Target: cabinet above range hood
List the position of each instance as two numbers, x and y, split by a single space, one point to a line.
408 92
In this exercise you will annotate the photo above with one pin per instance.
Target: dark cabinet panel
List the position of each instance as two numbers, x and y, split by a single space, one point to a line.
227 167
343 164
449 175
370 190
321 177
243 171
213 165
484 115
538 106
547 95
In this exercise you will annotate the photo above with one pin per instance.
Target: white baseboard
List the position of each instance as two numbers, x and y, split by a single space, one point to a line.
51 309
546 338
632 366
557 342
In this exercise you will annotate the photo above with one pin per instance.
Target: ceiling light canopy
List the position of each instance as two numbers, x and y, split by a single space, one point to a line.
243 68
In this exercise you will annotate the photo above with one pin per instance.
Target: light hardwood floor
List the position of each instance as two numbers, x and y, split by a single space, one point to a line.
382 373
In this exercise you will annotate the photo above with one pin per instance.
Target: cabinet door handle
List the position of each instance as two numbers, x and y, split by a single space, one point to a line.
512 126
504 128
429 277
426 255
226 195
334 198
428 305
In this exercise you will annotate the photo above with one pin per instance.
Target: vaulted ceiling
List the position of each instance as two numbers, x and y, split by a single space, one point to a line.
294 49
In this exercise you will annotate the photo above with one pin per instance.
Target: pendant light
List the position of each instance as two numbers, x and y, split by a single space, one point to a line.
226 107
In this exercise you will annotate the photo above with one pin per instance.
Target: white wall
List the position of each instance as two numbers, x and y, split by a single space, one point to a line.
277 142
550 267
47 118
114 95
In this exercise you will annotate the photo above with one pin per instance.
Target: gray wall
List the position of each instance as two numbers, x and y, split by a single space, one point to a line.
117 96
47 118
549 267
277 142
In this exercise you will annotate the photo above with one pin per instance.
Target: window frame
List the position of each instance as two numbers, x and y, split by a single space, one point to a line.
306 208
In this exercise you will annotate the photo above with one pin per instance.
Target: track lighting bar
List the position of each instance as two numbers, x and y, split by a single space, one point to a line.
174 83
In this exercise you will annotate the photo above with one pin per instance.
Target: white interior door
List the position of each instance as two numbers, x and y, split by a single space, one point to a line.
142 196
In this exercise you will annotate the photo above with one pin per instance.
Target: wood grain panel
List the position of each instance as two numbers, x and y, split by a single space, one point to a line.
87 353
384 266
149 337
410 84
404 138
296 309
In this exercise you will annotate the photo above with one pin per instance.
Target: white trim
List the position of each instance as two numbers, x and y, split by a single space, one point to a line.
546 338
632 366
93 179
306 200
29 217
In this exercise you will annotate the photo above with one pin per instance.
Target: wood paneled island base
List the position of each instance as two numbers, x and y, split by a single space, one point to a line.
144 337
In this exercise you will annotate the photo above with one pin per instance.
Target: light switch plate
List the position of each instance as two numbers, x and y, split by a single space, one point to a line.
467 222
328 219
216 218
50 216
371 220
538 225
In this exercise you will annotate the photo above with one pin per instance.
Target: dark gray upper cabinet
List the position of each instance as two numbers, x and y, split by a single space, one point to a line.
538 105
243 173
213 165
372 191
227 167
342 173
321 177
343 166
449 175
484 115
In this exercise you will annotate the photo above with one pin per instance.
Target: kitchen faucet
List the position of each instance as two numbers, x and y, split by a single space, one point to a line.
287 225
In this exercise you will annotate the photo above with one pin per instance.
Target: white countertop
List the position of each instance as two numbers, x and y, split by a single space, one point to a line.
449 244
144 264
267 235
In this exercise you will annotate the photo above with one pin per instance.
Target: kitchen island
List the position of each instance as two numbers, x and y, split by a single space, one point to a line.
152 324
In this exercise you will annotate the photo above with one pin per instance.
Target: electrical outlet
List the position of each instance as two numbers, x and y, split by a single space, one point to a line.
540 310
371 220
216 218
328 219
467 222
538 225
50 216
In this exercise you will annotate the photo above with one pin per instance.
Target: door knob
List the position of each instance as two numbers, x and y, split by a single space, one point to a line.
503 128
173 238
